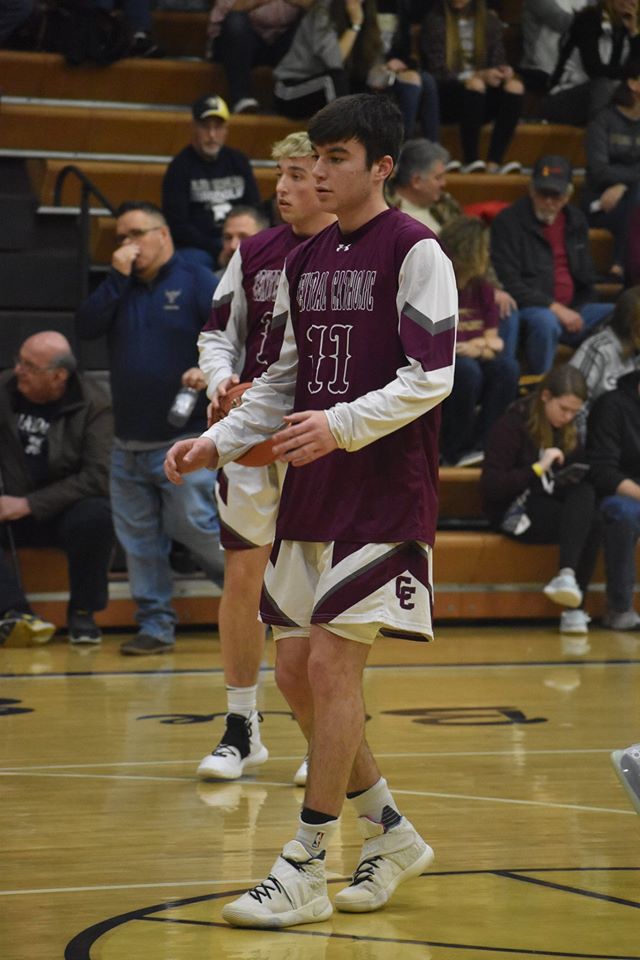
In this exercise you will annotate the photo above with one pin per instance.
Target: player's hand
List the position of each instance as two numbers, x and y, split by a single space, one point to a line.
187 456
306 438
214 412
124 257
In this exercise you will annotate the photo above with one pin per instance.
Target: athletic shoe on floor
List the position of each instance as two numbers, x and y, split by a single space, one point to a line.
144 645
388 858
294 892
83 628
300 776
574 621
564 590
24 630
621 620
239 748
626 763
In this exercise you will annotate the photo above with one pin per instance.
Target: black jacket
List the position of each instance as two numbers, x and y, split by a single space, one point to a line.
79 444
523 258
584 35
613 436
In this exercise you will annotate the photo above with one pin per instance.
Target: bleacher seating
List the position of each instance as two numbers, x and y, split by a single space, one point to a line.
123 140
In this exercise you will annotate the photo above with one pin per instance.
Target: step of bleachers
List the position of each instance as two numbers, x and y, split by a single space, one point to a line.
118 181
92 130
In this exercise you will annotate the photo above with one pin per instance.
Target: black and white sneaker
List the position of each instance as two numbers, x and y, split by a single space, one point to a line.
239 748
83 629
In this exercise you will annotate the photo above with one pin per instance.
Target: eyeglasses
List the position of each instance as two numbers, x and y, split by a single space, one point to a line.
29 366
134 234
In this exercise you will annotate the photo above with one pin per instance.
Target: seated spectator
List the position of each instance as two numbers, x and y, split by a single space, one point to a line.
334 48
462 46
55 437
151 307
600 40
613 351
613 447
612 144
258 35
417 188
527 499
204 182
540 251
544 23
242 222
414 89
136 15
485 381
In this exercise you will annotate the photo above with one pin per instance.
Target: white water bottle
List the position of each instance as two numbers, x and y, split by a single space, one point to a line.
182 406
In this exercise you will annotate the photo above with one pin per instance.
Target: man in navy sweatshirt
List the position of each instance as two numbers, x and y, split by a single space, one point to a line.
152 307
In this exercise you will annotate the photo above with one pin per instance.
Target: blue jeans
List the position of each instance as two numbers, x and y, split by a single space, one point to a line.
148 513
419 103
509 330
621 516
543 331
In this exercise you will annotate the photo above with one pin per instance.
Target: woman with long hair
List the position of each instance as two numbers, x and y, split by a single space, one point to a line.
462 46
334 48
535 489
485 380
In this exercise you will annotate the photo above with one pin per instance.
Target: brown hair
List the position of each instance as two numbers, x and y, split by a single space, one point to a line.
466 241
367 48
559 381
454 60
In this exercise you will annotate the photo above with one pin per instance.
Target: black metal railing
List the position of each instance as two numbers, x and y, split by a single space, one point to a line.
87 189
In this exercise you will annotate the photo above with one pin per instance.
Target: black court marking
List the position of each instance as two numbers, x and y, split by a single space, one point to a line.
79 948
212 671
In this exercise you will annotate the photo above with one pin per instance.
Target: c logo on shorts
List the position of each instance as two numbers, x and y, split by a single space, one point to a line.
404 592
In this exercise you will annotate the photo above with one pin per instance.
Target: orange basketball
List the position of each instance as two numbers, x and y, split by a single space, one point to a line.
260 455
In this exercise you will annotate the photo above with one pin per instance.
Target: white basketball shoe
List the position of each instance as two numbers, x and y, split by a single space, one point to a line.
239 749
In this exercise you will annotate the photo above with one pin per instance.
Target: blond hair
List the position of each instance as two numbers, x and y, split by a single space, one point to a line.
294 145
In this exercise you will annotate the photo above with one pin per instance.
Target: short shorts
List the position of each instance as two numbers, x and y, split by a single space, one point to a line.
248 499
355 590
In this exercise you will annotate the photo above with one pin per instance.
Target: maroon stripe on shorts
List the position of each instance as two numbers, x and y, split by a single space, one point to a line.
232 540
406 557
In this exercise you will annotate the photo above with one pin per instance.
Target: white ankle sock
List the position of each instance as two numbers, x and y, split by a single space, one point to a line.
242 700
315 837
373 801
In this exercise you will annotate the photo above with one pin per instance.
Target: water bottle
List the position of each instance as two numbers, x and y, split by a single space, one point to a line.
182 406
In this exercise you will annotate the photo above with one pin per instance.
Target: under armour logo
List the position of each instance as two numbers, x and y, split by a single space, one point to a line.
172 296
343 246
404 592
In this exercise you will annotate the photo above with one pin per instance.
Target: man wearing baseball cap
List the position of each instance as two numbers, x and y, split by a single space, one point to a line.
540 251
204 182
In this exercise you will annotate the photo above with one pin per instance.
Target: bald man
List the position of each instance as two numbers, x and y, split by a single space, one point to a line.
55 437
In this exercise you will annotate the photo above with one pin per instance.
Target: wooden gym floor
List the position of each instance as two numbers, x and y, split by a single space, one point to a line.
494 740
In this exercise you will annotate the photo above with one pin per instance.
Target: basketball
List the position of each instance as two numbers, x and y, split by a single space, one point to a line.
260 455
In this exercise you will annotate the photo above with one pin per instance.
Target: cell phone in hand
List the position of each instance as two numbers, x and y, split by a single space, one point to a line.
572 473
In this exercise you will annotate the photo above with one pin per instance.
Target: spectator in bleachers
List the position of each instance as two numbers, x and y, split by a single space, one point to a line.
204 182
258 35
55 436
600 40
418 188
544 23
242 222
414 89
13 13
136 15
613 448
527 495
462 46
485 380
612 146
614 350
336 45
540 251
151 307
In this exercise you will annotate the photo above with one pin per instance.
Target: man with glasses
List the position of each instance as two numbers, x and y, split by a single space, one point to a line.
540 251
151 307
55 436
